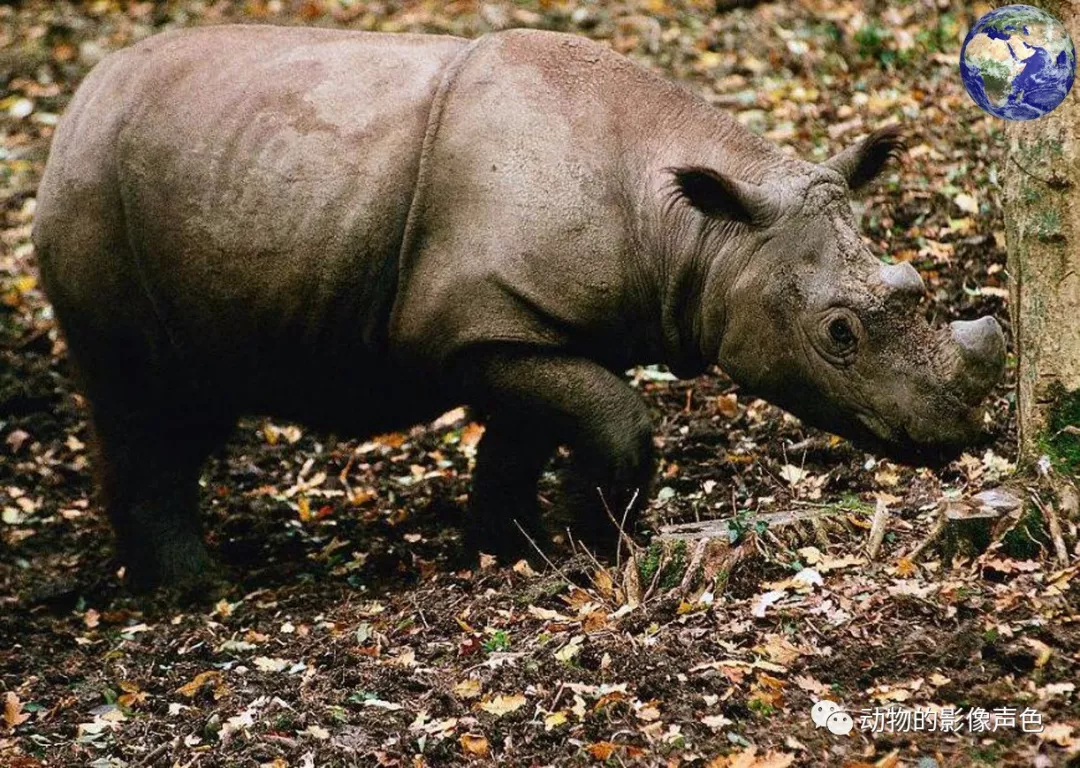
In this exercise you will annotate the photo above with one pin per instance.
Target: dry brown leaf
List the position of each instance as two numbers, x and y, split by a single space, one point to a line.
522 568
13 714
467 689
601 750
193 686
503 705
594 621
905 569
471 435
132 695
604 584
748 759
728 406
779 649
474 744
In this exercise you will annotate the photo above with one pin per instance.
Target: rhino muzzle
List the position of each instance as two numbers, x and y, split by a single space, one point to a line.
981 346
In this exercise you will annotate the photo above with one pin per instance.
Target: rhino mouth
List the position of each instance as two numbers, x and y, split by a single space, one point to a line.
897 444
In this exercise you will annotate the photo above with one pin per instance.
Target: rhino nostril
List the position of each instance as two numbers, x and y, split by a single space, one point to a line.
982 356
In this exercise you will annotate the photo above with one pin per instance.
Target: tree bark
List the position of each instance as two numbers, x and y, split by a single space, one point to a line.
1042 215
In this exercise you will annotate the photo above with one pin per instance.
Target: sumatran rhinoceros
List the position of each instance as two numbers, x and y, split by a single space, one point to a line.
359 231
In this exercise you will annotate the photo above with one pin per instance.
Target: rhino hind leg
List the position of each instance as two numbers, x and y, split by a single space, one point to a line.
148 460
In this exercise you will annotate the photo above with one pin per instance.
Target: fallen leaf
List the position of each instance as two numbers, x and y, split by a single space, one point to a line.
503 705
266 664
728 406
601 750
554 720
905 568
467 689
792 474
966 203
762 602
192 687
715 722
474 744
13 714
522 568
1042 649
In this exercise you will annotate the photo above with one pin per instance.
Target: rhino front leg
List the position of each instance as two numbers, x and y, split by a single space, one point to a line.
509 461
537 401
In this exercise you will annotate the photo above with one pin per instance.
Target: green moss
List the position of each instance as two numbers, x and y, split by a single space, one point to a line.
674 567
1049 226
1062 439
650 563
850 502
1027 539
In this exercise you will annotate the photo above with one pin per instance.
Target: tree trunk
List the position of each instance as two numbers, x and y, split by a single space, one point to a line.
1042 214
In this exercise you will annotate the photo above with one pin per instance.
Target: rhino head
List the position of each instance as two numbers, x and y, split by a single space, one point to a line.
797 310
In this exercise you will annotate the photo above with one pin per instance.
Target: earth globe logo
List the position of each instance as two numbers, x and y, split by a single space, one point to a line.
1018 62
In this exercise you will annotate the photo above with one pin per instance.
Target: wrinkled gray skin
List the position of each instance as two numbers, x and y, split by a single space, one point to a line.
360 231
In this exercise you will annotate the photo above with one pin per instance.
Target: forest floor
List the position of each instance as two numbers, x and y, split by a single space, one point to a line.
359 632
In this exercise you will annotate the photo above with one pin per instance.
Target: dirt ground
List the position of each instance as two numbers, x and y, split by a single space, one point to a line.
359 632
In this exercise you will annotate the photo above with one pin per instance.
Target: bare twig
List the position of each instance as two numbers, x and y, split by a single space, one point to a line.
821 534
155 753
543 554
631 547
691 569
1054 526
934 535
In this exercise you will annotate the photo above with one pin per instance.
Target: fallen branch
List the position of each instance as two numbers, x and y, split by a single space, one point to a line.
935 534
877 530
1053 525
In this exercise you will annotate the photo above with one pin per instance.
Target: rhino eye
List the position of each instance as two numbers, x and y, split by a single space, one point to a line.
841 332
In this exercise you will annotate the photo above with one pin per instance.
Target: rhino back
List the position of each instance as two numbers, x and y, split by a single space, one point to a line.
265 176
537 217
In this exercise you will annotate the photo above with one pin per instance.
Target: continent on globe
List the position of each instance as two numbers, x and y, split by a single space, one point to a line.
1018 62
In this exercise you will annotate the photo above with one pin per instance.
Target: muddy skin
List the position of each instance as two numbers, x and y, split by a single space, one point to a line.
508 223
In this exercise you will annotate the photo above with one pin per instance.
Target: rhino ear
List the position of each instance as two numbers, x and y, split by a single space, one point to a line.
722 197
861 164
